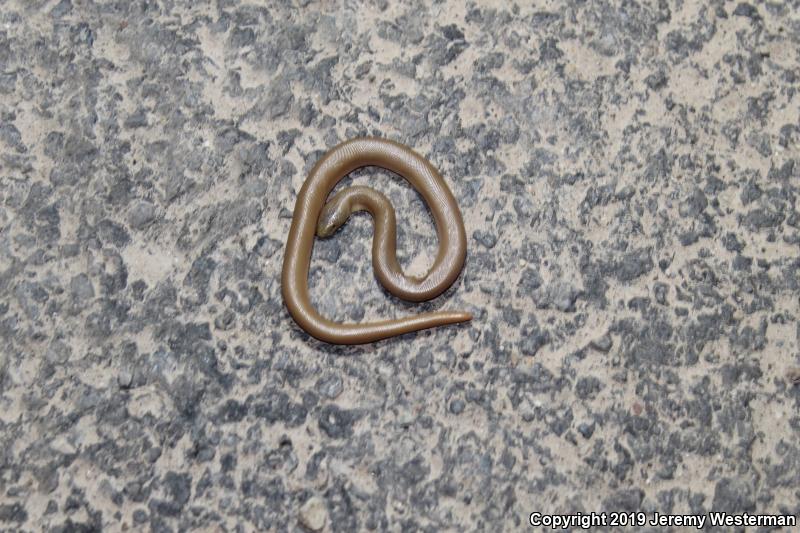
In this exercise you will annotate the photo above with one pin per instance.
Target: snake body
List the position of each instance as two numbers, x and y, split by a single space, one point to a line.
315 215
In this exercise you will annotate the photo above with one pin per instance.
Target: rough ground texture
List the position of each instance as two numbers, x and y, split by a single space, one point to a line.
628 174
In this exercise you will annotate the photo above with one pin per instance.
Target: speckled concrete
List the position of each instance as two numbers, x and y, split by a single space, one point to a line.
628 174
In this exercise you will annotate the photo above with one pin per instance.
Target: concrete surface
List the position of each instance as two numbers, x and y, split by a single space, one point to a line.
628 173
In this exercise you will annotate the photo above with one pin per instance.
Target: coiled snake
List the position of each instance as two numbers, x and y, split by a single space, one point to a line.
314 215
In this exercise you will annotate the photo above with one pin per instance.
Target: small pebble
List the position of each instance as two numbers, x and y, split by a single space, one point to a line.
457 406
125 379
313 514
603 344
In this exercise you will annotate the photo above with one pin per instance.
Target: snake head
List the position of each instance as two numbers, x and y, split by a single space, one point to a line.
333 216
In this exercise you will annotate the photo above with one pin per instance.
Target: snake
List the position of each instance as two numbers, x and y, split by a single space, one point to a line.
316 216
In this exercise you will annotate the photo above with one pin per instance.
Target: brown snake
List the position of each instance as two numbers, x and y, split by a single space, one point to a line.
315 215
